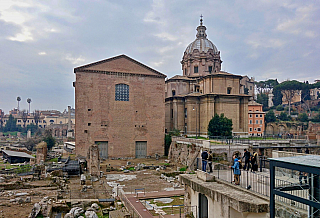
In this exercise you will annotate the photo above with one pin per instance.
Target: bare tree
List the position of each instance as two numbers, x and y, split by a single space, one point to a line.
24 116
36 117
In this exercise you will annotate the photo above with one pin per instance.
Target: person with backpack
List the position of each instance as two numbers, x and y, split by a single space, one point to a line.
204 157
210 159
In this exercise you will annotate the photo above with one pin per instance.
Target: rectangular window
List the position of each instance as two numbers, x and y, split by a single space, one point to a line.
250 87
122 92
185 113
19 121
210 69
260 121
257 121
250 129
171 113
250 121
259 129
195 69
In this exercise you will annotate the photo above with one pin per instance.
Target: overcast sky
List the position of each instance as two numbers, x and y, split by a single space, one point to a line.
42 41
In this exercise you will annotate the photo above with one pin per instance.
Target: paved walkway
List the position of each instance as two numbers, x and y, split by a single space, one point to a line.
140 208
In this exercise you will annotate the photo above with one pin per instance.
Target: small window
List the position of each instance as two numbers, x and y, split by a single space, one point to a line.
250 115
229 90
171 113
173 92
60 122
260 115
250 129
250 87
257 121
85 131
185 113
195 69
250 121
44 121
260 121
210 69
51 121
259 129
89 124
89 109
185 71
28 121
257 115
19 121
122 92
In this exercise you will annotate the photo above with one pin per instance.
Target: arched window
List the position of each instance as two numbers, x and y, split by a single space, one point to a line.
122 92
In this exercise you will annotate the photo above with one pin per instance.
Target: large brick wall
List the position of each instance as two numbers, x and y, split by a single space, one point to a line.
120 123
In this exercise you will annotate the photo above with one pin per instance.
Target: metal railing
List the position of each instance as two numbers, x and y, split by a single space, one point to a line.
257 182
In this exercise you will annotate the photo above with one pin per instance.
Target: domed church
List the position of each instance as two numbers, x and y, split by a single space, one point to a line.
191 100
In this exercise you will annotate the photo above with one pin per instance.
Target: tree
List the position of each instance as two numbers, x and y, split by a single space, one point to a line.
303 117
263 99
49 139
18 99
220 126
24 116
289 89
277 96
270 117
36 117
284 117
11 124
29 101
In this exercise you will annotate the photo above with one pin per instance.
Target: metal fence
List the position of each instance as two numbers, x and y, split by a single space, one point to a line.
258 182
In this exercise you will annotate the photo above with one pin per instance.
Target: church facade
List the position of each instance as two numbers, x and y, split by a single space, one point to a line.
120 107
191 100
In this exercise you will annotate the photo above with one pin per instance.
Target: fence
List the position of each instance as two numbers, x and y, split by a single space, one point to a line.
260 183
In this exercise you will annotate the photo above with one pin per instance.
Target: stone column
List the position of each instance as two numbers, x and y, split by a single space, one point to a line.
69 131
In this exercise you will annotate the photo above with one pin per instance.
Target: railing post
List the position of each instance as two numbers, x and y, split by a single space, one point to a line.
260 164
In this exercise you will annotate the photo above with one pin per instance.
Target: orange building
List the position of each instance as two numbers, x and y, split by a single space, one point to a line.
256 119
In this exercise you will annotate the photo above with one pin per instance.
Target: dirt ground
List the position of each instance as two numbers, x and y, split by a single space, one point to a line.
147 180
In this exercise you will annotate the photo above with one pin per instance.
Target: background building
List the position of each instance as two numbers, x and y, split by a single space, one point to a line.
119 106
203 90
256 119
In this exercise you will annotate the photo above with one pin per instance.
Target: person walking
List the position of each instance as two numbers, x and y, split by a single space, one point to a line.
236 170
254 162
210 159
204 157
246 157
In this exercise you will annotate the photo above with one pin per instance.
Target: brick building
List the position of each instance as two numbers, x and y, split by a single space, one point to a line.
119 106
203 90
256 119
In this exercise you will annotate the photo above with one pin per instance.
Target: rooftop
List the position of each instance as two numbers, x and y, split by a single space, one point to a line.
17 154
307 160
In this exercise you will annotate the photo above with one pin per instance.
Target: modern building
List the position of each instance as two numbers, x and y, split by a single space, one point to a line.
191 100
119 106
256 123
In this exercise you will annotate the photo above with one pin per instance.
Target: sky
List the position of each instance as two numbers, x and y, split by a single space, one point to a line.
41 42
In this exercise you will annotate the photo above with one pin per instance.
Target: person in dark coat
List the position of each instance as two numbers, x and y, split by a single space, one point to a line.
204 157
254 162
246 157
210 159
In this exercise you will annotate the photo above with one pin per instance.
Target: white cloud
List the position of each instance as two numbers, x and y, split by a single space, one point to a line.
42 53
75 60
166 36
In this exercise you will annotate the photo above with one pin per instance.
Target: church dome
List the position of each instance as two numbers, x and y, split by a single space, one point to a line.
201 43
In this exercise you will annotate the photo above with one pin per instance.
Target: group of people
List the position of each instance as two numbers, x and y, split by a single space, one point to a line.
207 158
248 160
